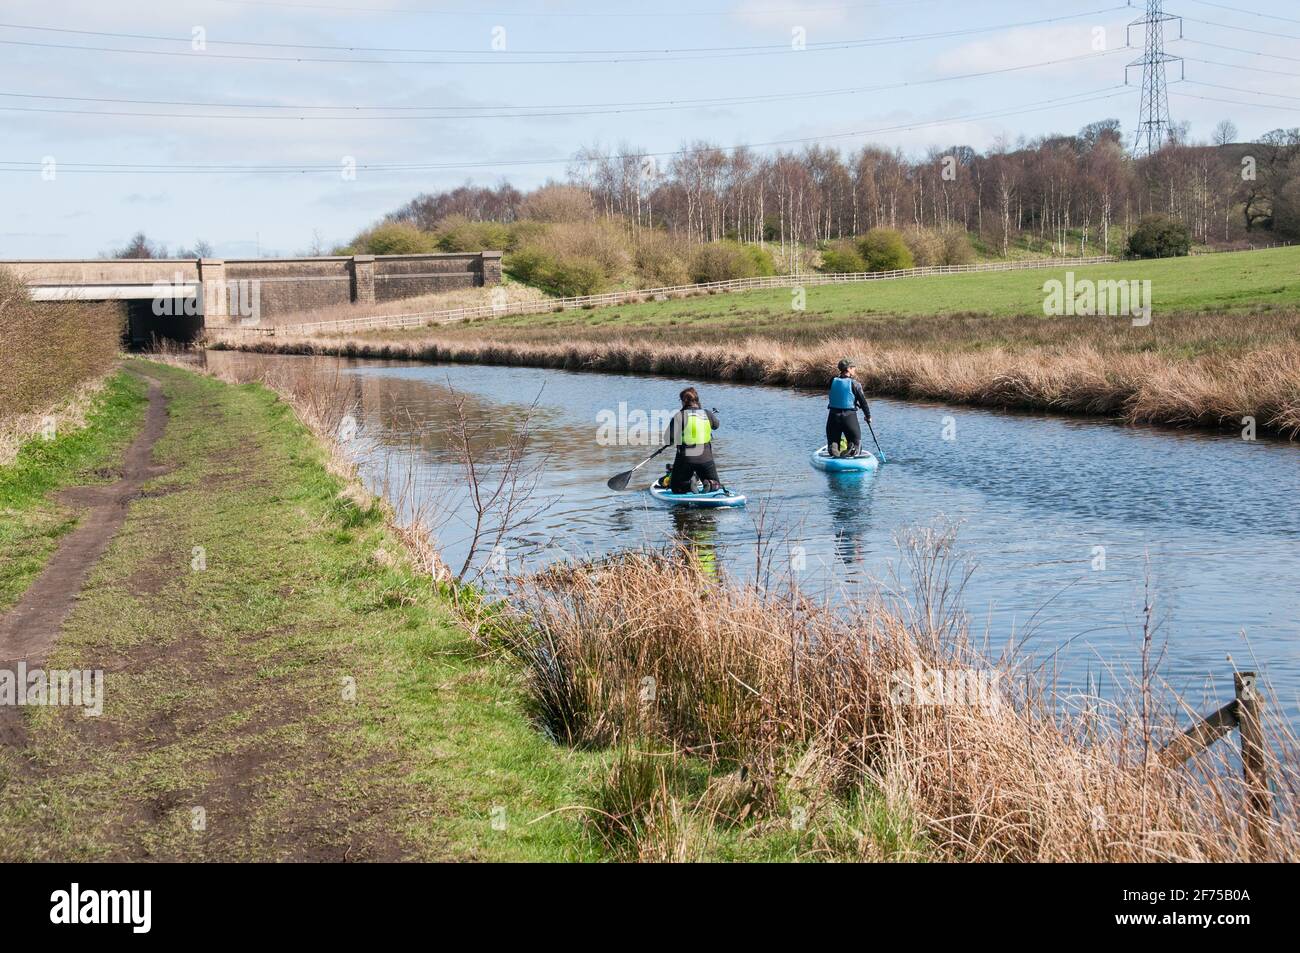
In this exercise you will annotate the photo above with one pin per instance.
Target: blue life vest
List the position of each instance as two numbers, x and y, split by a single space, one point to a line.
842 394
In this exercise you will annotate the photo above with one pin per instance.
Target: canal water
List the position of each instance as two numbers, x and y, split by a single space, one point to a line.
1071 525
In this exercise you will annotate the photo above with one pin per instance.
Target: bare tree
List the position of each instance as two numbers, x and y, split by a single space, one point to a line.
501 482
1225 133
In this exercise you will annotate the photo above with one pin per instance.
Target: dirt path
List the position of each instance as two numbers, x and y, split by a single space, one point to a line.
279 682
30 629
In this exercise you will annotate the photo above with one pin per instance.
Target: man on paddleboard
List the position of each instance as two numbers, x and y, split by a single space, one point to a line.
691 429
846 398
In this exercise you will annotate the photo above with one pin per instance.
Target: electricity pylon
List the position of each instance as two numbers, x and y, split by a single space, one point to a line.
1153 116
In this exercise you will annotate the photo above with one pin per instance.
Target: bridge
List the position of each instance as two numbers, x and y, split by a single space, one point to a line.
180 296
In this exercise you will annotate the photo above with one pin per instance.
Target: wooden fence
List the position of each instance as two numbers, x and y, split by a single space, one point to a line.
1245 713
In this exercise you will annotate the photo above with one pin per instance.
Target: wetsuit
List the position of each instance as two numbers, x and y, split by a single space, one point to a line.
694 439
846 398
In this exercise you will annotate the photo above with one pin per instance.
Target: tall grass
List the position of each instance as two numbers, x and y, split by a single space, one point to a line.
1086 377
801 711
51 352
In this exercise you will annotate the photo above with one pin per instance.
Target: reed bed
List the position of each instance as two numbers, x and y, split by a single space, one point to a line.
801 712
1210 390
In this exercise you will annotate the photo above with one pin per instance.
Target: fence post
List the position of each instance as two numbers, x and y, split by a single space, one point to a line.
1254 770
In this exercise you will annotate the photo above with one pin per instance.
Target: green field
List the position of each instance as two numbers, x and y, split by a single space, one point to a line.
1225 283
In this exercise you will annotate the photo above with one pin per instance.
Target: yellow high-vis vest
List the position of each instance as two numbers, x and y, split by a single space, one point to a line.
696 429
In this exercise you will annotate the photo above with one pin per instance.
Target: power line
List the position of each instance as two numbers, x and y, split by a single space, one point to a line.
462 112
498 59
1253 13
1239 89
559 14
12 165
1253 69
188 40
1245 29
1236 102
1238 49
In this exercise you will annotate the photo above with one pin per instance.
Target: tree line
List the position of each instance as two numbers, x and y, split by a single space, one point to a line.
1066 191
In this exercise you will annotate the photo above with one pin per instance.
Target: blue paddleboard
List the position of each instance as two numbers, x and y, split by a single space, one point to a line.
863 462
714 500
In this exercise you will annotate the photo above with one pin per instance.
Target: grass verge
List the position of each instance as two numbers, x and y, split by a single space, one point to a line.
281 684
33 521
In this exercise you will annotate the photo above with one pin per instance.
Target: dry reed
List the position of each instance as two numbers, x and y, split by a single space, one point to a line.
781 693
1211 390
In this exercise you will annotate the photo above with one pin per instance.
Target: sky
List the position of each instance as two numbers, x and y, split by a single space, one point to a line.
316 117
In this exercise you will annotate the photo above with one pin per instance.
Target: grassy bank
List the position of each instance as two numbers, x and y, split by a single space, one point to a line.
227 687
1212 390
877 733
33 521
978 339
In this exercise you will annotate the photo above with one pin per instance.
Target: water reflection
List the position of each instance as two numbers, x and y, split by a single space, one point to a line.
696 534
848 504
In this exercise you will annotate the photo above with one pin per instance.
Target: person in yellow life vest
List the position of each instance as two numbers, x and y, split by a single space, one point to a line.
691 429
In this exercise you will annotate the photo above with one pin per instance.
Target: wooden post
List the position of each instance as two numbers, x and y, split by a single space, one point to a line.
1259 810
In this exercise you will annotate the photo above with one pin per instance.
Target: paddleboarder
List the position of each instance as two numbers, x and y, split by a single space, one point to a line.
691 431
846 399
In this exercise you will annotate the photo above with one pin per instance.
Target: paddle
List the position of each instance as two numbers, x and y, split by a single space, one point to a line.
621 481
875 441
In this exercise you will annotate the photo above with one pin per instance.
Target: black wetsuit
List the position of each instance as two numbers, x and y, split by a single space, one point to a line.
693 461
843 422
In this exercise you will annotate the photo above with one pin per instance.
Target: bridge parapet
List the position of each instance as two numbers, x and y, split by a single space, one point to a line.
270 286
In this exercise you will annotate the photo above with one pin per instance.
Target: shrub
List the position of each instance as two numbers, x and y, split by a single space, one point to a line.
658 262
883 249
570 277
456 233
567 277
602 242
394 238
948 246
957 247
556 202
525 232
1159 236
727 260
842 258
